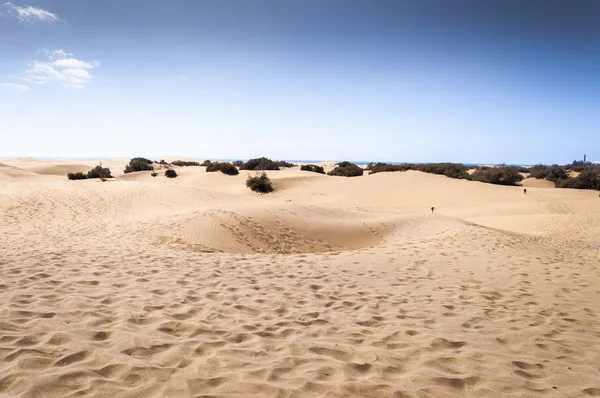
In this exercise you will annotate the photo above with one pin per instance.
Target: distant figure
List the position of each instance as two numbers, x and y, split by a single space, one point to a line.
432 209
525 191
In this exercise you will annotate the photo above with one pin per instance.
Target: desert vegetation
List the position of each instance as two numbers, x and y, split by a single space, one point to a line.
206 163
223 167
260 183
96 172
238 163
170 173
283 163
588 178
260 164
346 169
452 170
500 175
312 167
139 164
184 163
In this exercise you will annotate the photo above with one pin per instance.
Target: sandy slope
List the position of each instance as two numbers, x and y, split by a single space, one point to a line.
151 287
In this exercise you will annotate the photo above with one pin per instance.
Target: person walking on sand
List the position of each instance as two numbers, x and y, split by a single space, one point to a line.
525 191
432 209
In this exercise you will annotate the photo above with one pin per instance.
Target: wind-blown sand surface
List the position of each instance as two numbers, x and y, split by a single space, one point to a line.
329 287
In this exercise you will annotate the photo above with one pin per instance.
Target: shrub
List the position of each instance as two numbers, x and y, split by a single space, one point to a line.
223 167
139 164
590 178
154 174
312 167
283 163
384 167
260 183
99 172
77 176
502 175
96 172
238 163
260 164
452 170
170 173
346 169
552 173
162 162
206 163
184 163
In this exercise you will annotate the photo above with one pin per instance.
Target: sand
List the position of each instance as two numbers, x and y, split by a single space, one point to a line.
329 287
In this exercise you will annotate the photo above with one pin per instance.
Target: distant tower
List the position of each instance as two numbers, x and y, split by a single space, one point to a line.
584 156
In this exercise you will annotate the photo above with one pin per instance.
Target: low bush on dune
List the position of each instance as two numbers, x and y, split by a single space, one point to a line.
97 172
206 163
260 164
170 173
552 173
139 164
589 178
385 167
346 169
238 163
223 167
154 174
312 167
260 183
184 163
501 175
162 162
77 176
283 163
452 170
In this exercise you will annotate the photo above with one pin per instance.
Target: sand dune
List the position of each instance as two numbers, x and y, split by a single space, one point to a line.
537 183
152 287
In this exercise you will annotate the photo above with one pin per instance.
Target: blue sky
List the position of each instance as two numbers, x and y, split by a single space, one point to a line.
467 81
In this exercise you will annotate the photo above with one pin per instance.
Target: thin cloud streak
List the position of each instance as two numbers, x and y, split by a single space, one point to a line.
28 14
14 87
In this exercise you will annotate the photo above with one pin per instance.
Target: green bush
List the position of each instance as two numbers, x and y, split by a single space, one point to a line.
96 172
385 167
139 164
346 169
452 170
77 176
283 163
238 163
312 167
162 162
170 173
501 175
260 164
99 172
552 173
260 183
206 163
223 167
183 163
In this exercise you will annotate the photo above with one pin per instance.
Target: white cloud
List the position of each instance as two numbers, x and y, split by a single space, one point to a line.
61 67
28 14
14 87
